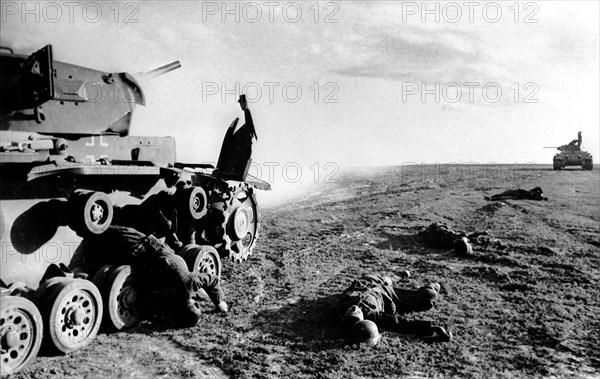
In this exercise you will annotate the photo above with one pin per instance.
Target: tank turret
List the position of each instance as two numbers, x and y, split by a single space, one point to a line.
68 111
45 96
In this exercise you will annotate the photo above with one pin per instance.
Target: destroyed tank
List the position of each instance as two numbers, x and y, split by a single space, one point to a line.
69 169
572 155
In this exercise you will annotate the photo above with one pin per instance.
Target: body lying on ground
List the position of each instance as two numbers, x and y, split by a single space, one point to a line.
441 236
519 194
380 300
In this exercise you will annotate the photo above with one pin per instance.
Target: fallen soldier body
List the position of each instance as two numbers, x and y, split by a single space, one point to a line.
441 236
519 194
381 302
157 264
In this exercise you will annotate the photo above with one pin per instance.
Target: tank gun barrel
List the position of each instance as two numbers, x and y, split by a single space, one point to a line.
550 147
163 69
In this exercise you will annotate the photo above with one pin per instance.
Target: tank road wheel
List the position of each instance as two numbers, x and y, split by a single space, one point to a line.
21 332
203 258
193 201
557 164
117 286
72 313
92 212
120 297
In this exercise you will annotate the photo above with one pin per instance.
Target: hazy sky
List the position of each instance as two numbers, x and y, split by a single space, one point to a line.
361 67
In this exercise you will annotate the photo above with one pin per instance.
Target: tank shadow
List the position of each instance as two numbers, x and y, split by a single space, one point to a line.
36 226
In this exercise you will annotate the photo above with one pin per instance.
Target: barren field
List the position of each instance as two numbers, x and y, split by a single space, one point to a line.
526 306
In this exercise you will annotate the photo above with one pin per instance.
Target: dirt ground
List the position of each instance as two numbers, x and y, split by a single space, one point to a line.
527 305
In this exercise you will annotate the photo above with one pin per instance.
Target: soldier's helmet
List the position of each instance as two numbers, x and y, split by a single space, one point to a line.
352 315
365 331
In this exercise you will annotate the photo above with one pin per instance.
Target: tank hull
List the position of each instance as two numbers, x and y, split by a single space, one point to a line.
575 158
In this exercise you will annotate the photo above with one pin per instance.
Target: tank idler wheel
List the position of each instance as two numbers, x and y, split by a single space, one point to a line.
120 298
21 331
72 313
92 212
587 164
203 258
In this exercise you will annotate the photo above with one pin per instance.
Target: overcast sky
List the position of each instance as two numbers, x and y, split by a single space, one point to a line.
361 68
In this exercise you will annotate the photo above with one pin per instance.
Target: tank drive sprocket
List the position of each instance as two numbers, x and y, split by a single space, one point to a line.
234 223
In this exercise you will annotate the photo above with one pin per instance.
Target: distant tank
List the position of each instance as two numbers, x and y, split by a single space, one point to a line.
69 168
572 155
